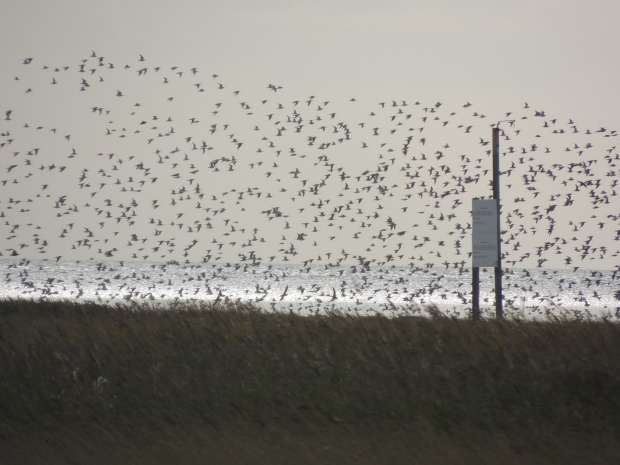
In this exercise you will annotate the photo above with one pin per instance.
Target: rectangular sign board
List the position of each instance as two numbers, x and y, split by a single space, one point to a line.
484 232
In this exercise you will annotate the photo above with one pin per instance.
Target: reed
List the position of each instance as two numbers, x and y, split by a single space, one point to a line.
64 365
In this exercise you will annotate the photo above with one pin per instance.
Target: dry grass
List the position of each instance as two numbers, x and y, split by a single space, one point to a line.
264 388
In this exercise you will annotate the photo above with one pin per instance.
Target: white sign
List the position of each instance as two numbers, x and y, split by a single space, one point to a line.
484 232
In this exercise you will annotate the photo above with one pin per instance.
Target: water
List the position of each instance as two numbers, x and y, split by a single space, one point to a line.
391 291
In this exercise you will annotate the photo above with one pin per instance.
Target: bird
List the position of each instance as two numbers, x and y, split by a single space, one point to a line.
240 185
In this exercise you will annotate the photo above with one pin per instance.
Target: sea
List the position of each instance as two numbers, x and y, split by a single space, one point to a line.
352 289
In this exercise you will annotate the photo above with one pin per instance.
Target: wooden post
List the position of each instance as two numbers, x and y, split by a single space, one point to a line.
499 307
475 293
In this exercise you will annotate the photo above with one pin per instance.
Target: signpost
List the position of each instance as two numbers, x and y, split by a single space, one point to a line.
499 301
484 232
486 242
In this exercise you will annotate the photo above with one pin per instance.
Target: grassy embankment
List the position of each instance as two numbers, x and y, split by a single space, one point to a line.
92 384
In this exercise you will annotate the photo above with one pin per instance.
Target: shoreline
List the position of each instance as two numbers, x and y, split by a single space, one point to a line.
528 294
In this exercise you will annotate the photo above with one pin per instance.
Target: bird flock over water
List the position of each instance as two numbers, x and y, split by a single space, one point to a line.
139 162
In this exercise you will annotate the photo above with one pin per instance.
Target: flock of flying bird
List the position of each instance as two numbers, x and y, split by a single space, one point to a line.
185 169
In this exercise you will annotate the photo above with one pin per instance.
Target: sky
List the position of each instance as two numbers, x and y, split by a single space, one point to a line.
556 55
559 54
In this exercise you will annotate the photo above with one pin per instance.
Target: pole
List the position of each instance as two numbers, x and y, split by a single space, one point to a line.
499 308
475 293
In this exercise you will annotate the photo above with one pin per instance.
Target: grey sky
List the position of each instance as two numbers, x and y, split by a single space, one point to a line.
557 55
